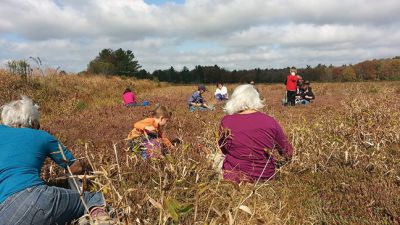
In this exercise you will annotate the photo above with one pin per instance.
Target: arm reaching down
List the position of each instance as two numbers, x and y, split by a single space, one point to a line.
54 148
285 149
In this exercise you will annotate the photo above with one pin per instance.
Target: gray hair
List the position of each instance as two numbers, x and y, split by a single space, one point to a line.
20 113
244 97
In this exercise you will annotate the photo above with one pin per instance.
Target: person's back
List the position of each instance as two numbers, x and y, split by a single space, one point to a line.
148 134
139 128
251 135
23 152
24 197
129 98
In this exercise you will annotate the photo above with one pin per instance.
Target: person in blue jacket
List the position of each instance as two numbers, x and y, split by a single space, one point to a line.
24 196
196 100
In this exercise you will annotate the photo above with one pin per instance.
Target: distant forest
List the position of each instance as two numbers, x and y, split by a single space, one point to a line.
383 69
123 63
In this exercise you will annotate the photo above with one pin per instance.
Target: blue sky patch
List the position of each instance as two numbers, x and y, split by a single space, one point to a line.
193 46
162 2
12 37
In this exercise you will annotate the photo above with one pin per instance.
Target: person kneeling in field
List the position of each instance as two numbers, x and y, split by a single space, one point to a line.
246 135
147 135
196 101
24 196
129 99
221 93
305 94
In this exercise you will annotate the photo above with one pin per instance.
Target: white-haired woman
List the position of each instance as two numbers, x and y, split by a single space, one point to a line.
24 197
246 135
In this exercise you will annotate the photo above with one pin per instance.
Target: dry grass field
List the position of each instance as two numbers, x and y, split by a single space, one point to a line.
345 170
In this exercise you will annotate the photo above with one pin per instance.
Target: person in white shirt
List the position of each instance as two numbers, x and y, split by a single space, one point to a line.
221 94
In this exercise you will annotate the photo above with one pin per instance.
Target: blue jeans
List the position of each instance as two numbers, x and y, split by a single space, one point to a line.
303 102
197 108
145 103
46 205
221 97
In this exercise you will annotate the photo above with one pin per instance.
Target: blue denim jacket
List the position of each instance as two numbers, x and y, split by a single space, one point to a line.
195 98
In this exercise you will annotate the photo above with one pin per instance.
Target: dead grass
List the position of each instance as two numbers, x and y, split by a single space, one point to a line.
345 169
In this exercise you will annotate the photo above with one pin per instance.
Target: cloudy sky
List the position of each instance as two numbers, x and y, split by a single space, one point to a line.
235 34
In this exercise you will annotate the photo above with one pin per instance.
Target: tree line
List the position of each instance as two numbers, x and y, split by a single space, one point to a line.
123 63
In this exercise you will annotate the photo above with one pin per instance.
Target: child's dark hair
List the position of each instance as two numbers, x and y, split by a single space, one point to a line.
161 111
127 90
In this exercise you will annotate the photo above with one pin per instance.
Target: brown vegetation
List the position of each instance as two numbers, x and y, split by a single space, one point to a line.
345 169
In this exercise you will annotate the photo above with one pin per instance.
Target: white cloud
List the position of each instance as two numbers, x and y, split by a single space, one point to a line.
230 33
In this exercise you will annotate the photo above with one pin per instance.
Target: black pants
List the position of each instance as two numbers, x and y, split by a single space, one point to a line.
291 97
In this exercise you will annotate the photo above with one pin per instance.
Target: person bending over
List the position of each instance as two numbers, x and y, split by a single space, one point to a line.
147 135
196 101
24 196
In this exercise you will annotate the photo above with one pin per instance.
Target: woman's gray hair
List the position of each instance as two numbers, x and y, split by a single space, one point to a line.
20 113
244 97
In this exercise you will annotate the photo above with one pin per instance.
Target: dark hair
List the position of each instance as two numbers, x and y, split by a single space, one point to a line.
161 111
202 87
220 83
127 90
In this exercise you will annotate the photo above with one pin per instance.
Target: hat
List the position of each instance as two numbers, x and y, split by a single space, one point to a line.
202 87
306 82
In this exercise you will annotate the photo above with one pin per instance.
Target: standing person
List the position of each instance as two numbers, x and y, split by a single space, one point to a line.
221 93
148 134
24 196
291 86
196 101
247 137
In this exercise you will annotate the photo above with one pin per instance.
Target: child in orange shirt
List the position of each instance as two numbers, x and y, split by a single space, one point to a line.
148 134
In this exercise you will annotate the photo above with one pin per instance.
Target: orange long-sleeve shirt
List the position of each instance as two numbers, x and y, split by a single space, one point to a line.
139 130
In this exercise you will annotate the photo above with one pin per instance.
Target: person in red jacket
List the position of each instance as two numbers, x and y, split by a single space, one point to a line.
291 86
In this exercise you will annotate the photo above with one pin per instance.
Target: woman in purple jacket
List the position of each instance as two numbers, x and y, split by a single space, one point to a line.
247 137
